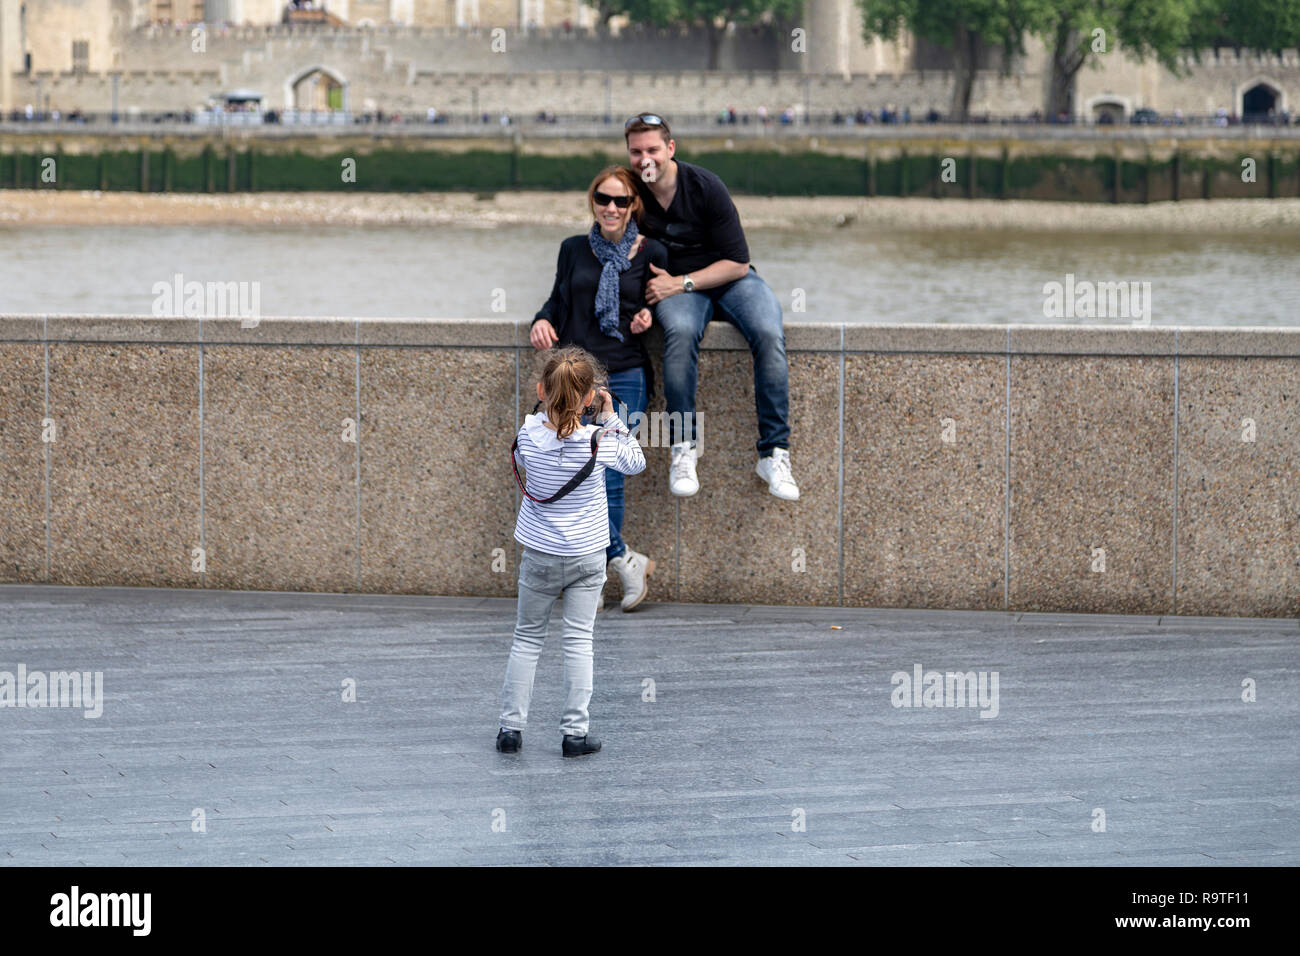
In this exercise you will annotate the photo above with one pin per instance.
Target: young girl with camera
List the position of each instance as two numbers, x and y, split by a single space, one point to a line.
563 525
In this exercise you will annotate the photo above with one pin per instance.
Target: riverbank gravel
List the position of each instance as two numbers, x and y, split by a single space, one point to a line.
46 207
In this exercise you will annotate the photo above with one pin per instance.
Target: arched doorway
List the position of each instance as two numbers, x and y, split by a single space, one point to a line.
1260 101
316 90
1107 110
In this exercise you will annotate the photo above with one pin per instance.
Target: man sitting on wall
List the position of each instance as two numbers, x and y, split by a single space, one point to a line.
688 209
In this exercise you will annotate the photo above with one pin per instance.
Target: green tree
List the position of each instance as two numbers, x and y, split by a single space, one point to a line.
712 15
605 9
1260 25
960 25
1077 32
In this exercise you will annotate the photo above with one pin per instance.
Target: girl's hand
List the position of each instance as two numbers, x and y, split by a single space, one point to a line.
606 403
641 321
543 335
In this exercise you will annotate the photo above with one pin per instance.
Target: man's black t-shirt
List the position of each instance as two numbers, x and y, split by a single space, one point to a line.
700 226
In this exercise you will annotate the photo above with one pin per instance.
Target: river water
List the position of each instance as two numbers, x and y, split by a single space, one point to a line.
847 275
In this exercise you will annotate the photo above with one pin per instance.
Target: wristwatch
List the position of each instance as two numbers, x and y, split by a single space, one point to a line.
688 284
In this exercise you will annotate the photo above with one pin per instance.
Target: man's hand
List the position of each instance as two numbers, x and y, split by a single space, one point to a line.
662 285
543 335
641 321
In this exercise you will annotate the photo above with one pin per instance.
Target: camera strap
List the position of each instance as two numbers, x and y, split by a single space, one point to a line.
581 475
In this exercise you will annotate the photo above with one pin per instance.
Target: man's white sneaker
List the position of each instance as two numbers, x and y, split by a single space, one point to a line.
775 470
681 474
632 569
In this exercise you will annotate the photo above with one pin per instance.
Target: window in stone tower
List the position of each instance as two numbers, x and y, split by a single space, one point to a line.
80 56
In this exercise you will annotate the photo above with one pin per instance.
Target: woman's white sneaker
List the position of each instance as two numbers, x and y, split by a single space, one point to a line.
681 474
775 470
632 569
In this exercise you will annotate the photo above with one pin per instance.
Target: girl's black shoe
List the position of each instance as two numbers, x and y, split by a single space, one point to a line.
509 741
580 746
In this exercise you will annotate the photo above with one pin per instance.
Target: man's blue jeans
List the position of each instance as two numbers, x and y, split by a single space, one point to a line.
752 307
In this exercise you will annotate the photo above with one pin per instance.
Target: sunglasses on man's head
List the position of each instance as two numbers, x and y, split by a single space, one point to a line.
650 119
622 202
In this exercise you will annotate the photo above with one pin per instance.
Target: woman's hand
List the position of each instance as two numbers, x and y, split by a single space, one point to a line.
641 321
543 335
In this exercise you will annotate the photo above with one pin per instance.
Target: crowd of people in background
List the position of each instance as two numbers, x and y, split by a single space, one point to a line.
729 116
889 114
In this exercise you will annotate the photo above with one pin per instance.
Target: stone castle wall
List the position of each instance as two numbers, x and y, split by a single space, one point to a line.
524 95
375 79
161 68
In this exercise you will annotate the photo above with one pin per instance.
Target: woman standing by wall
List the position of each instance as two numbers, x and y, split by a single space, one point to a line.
598 303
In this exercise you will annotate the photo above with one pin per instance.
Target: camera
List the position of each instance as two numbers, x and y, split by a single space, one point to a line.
592 411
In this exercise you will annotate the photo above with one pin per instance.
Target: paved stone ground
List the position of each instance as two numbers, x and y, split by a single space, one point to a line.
231 702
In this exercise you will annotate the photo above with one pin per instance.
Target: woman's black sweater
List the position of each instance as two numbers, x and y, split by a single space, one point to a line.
571 309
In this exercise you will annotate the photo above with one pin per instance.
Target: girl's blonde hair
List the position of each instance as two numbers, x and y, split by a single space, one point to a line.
568 375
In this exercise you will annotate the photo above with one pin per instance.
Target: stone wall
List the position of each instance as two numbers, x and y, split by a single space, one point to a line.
1214 80
570 75
674 94
383 64
464 49
51 29
945 466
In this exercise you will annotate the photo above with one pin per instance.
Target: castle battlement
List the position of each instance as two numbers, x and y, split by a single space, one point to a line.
280 31
1227 57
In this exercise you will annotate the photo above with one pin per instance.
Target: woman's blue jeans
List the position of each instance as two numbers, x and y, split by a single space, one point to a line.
629 386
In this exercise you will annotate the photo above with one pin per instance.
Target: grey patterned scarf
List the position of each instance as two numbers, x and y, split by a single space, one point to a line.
613 261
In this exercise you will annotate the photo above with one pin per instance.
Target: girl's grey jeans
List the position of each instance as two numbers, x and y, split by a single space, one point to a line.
577 581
